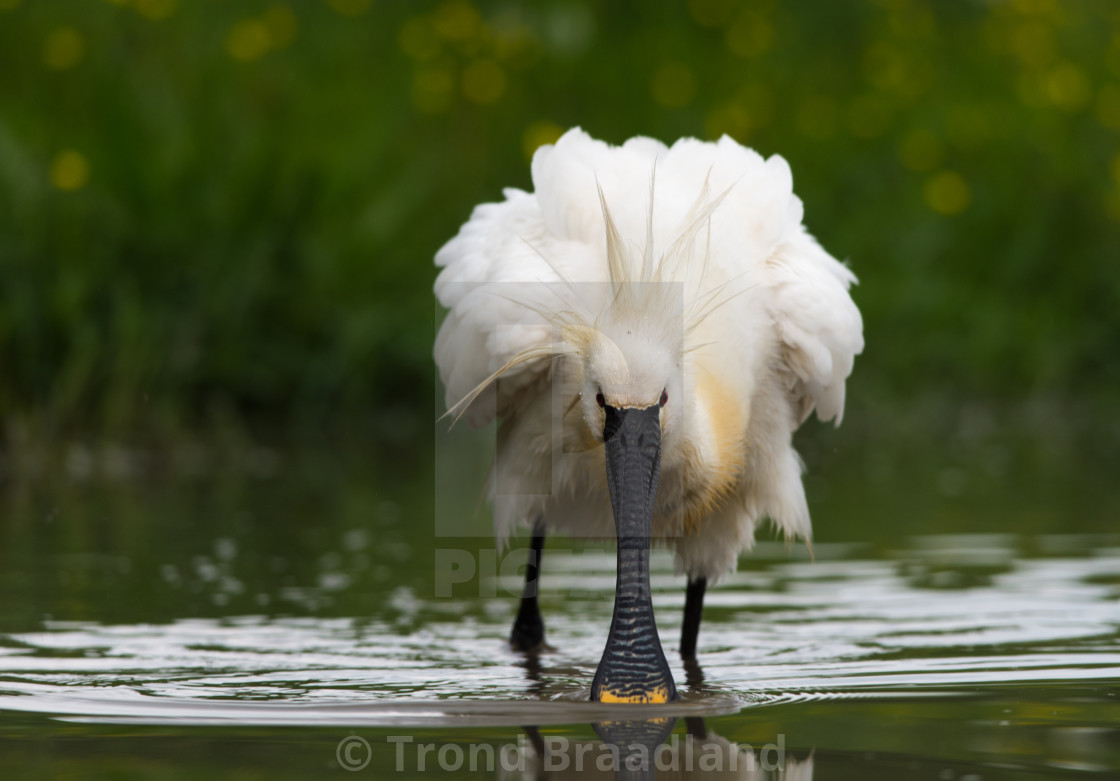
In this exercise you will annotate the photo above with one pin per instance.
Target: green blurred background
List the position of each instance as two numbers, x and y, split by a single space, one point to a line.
217 396
220 217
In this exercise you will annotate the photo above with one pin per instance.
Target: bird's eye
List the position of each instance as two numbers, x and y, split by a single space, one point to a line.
664 397
600 399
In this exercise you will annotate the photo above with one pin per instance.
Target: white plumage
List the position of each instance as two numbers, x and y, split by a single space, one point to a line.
714 294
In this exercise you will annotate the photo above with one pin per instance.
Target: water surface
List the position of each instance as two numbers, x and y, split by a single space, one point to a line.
247 632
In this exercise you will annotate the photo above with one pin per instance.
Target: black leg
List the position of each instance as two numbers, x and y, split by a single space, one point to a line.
528 629
693 605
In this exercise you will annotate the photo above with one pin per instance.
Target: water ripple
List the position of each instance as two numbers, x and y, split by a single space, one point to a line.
785 633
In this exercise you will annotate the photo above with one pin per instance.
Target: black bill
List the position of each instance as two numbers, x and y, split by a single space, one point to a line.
633 667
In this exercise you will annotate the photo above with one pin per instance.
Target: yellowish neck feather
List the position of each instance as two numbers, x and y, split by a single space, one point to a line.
714 460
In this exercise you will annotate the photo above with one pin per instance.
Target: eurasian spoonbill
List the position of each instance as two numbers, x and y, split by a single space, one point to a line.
649 326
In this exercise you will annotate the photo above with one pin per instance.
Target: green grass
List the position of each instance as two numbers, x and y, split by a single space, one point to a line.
212 212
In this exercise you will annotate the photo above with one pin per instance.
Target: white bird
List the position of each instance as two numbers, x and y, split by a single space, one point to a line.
649 326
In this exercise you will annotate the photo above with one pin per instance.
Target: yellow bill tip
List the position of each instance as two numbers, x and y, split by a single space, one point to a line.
657 694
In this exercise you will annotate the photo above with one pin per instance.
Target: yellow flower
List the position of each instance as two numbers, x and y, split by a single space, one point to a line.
947 193
156 9
69 170
673 85
919 150
484 81
350 7
538 134
248 40
63 49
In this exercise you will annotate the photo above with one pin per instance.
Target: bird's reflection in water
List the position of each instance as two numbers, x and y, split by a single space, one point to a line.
647 748
537 681
693 676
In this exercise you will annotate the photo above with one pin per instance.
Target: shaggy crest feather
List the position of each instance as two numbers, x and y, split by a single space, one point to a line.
637 296
709 292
